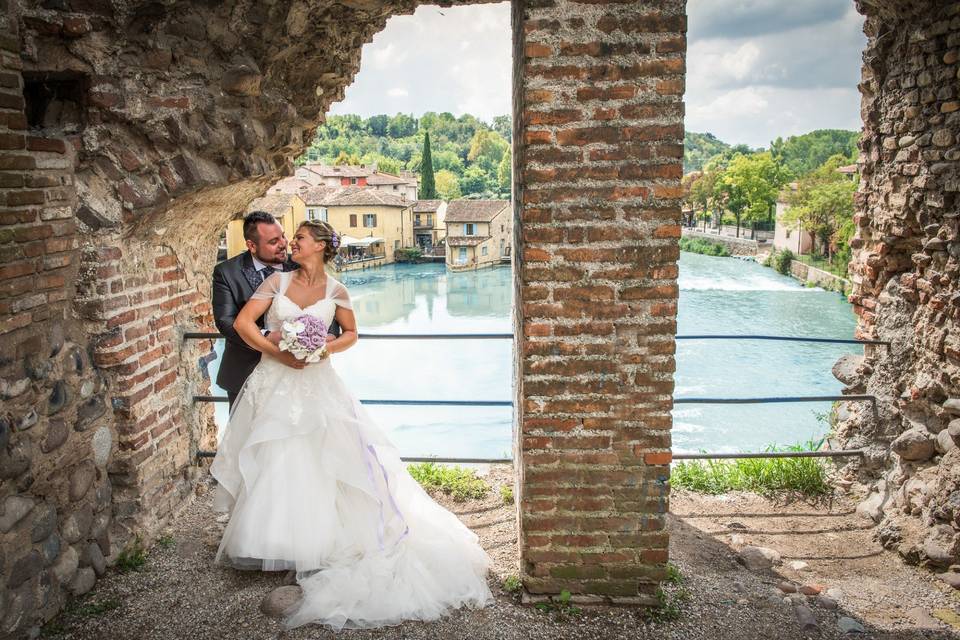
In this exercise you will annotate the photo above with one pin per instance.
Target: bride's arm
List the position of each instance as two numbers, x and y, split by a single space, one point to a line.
246 327
348 330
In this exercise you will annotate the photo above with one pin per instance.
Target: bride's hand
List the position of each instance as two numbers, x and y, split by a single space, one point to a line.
275 337
291 360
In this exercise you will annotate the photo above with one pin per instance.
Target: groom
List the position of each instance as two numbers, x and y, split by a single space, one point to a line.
234 282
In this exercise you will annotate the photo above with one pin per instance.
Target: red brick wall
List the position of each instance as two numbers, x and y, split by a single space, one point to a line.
598 160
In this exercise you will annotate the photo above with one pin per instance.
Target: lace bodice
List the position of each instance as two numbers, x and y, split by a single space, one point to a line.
283 308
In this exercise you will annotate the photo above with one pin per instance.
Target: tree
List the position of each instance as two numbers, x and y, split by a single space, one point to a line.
823 205
700 196
749 186
487 144
698 148
428 187
449 160
504 126
377 125
474 180
384 164
804 154
504 174
345 158
448 185
401 126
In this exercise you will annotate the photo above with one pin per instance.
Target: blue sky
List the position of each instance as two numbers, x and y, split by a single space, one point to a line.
756 68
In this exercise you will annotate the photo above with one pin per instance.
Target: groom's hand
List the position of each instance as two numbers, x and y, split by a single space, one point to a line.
274 336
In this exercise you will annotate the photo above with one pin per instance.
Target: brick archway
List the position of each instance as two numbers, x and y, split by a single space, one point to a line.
130 134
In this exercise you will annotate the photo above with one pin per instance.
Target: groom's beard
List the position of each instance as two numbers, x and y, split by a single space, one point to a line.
272 261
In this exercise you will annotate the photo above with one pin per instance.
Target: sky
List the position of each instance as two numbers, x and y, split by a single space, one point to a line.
756 69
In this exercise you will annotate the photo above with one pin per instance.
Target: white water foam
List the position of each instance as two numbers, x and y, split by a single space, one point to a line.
757 283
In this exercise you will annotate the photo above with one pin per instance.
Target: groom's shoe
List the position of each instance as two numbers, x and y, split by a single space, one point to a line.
290 577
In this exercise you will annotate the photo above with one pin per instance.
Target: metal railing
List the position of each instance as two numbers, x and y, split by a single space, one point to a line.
201 335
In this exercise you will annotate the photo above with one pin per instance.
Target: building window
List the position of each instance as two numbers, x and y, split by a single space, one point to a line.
462 255
353 181
416 220
501 228
311 215
396 245
469 229
324 215
483 250
394 187
353 219
369 220
429 220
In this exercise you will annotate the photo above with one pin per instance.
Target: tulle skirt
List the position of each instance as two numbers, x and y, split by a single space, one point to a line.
313 485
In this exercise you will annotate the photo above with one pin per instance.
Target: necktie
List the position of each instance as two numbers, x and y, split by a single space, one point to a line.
265 273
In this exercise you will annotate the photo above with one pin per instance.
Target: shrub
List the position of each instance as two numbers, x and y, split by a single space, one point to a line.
780 260
705 247
410 254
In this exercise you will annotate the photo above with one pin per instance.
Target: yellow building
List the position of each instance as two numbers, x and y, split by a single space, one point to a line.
289 210
479 233
374 224
429 227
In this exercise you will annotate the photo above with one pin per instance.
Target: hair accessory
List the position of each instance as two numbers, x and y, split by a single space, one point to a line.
334 240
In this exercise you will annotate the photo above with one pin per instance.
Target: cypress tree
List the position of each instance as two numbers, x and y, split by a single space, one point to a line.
428 186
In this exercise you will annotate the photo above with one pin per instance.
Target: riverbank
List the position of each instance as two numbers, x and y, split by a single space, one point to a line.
178 593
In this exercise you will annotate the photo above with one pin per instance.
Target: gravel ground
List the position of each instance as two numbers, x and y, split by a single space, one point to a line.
179 594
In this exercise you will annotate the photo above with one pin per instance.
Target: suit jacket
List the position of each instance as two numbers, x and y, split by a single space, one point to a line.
234 282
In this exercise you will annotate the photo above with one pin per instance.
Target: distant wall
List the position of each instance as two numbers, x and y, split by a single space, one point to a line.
819 277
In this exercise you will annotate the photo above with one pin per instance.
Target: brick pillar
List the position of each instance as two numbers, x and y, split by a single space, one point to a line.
598 160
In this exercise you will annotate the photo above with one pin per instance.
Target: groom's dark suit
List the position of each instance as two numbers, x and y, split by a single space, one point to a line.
234 282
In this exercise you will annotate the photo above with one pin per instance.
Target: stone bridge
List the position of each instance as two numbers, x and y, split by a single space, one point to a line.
131 131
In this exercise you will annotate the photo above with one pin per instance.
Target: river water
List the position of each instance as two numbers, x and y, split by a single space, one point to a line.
717 296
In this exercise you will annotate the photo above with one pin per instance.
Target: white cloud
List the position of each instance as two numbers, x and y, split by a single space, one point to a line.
756 68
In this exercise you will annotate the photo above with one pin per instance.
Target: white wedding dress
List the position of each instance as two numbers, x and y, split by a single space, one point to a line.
312 484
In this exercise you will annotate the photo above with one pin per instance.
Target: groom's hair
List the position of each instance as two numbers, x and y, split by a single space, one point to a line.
251 221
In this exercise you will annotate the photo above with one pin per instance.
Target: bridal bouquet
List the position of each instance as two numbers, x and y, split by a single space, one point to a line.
305 338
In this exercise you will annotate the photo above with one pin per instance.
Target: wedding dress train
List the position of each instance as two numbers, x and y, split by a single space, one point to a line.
312 484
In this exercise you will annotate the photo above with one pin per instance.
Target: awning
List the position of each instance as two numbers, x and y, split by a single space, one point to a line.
366 242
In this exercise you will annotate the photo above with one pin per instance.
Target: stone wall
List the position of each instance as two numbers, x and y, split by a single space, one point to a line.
906 274
599 145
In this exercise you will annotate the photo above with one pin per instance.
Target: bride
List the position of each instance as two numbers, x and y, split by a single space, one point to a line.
312 484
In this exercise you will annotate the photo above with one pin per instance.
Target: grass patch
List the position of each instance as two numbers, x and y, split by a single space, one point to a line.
166 541
506 494
766 476
133 558
705 247
462 484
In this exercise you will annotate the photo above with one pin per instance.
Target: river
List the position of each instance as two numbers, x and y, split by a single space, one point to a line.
717 296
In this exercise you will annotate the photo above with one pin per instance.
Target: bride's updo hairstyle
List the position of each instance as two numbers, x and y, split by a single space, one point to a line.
322 231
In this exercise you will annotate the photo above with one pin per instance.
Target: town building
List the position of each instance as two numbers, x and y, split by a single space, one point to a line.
374 224
317 175
429 228
479 233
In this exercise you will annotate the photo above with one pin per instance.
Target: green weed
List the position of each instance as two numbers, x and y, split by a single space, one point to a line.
506 494
133 558
562 605
512 584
